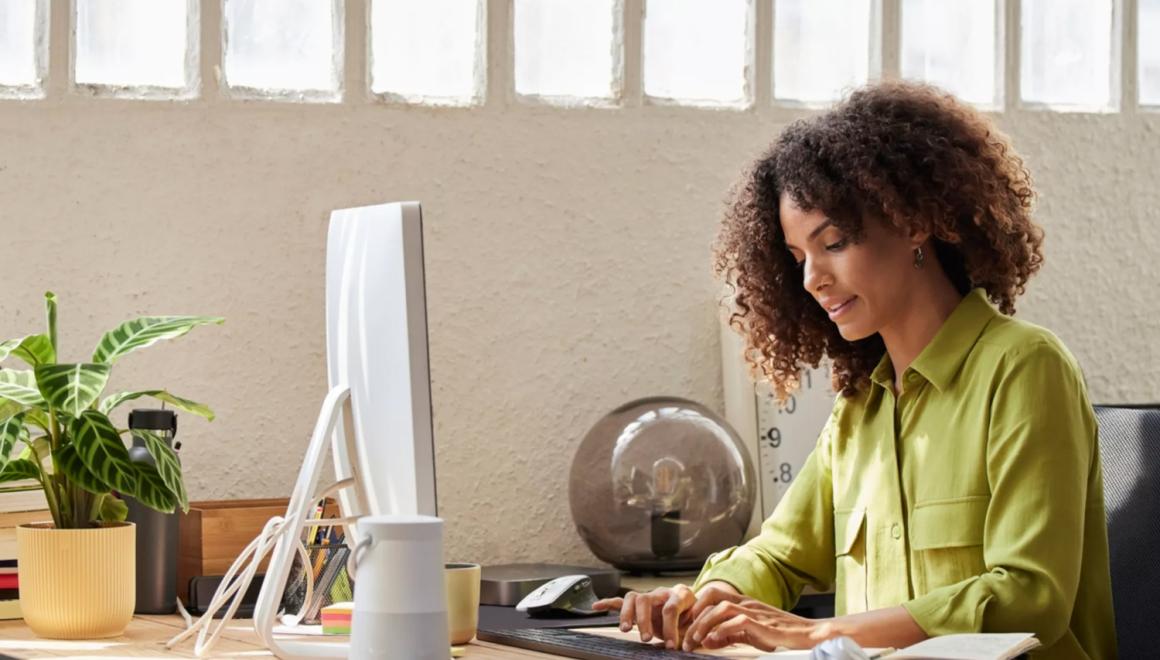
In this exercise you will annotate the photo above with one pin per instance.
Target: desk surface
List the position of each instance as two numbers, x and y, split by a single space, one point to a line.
146 636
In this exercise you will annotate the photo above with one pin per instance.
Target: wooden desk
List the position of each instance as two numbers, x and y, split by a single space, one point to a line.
146 636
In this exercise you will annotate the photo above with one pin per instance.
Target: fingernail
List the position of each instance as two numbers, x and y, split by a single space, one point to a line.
624 627
668 645
646 637
696 637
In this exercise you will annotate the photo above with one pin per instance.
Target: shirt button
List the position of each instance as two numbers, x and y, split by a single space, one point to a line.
896 531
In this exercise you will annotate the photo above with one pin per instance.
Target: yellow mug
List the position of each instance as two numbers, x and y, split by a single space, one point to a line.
462 582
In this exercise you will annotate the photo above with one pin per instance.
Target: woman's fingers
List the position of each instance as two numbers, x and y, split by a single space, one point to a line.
680 599
708 620
709 597
742 629
606 604
644 615
628 611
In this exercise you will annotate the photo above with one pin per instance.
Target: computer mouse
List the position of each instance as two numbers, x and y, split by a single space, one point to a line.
570 595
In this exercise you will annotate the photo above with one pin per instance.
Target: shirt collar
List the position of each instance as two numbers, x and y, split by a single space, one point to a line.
942 358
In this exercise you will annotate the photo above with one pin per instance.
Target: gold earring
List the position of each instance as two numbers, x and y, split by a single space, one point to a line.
919 257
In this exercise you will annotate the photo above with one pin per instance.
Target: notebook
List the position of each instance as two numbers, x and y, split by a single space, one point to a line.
977 646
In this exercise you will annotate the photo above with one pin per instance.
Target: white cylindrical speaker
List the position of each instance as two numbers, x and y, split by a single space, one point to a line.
400 606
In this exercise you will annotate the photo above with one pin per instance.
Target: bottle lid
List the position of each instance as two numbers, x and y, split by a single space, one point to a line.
153 418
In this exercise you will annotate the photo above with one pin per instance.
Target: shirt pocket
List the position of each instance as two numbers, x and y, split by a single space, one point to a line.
850 561
947 539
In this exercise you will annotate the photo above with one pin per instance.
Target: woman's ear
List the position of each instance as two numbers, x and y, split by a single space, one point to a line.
917 237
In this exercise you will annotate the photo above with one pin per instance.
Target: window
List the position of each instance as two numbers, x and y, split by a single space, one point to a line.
133 47
821 48
284 47
1067 53
427 50
1148 43
952 45
696 51
22 47
564 48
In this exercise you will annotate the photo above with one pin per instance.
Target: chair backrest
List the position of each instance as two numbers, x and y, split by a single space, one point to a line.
1130 453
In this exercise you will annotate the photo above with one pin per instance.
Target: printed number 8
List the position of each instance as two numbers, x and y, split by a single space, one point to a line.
786 473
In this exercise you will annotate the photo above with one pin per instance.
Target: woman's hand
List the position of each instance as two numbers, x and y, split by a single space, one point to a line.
666 612
749 621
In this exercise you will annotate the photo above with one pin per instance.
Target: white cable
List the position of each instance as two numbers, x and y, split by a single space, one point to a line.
247 562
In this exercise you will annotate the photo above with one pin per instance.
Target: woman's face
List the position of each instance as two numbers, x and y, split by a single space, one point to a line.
862 286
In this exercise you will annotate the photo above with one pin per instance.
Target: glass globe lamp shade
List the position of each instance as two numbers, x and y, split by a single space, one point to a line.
659 484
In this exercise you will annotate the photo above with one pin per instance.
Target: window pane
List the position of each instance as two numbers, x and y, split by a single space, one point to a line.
282 45
696 50
132 42
952 45
20 64
1148 42
564 48
821 48
1067 52
428 49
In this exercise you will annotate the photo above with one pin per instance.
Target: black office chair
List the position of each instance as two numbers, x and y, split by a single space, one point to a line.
1130 452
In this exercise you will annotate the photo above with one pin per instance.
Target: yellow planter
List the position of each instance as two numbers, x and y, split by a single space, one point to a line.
77 583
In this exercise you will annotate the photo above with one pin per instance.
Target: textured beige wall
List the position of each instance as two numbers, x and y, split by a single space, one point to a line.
567 263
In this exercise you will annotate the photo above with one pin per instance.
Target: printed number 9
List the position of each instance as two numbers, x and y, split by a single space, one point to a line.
773 437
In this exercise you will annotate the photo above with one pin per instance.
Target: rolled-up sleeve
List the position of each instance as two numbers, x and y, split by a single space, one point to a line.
1041 444
796 543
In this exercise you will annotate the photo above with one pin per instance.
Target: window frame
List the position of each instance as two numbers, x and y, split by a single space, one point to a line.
1014 64
616 98
40 45
337 67
192 89
749 69
876 65
479 94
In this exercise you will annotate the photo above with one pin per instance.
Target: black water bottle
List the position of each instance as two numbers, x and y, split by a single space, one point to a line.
157 536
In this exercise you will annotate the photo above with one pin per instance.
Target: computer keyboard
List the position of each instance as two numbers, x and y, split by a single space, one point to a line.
573 644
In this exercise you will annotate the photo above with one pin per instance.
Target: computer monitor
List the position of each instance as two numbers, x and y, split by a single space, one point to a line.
376 418
376 343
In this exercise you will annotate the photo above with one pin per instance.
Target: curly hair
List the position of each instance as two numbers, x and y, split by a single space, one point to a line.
907 153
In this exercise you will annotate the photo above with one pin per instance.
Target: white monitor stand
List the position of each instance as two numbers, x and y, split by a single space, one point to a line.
377 415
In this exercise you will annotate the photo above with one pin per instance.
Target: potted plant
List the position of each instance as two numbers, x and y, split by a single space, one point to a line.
77 572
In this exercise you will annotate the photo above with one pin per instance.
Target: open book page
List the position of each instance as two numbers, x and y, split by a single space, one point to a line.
979 646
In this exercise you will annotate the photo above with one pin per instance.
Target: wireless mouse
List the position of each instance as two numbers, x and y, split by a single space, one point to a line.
567 595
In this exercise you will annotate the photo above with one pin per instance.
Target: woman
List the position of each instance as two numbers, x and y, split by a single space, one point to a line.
956 486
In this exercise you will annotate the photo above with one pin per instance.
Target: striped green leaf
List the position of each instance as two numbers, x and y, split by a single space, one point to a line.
112 509
152 491
71 465
9 408
145 331
19 470
193 407
12 431
37 418
72 387
167 465
100 448
33 349
50 317
39 448
20 386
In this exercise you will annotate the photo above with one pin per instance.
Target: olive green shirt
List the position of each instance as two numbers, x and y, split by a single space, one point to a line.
973 498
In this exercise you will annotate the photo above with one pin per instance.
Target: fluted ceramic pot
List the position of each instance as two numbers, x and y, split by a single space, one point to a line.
77 583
